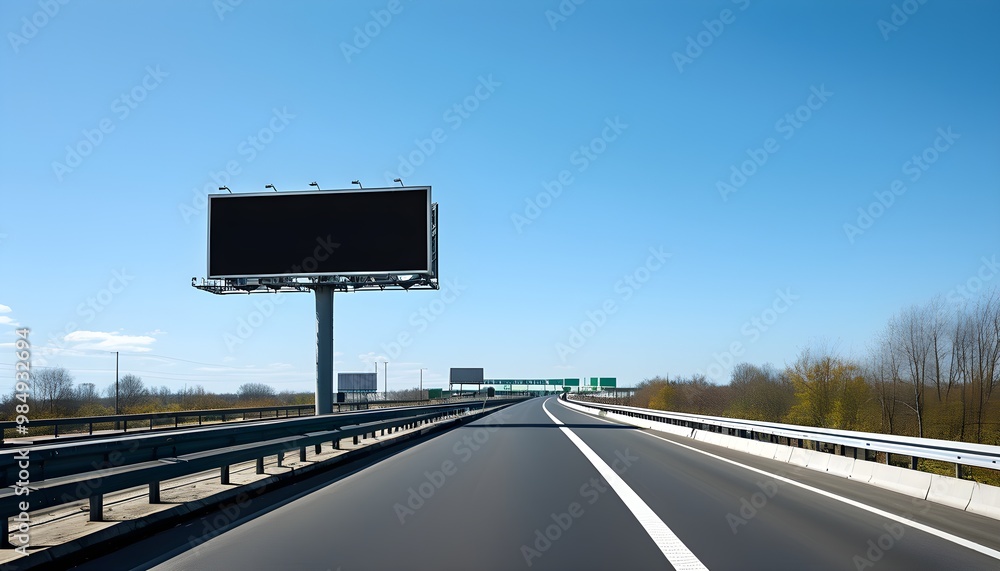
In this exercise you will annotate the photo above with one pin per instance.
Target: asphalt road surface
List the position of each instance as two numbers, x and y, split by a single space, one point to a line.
540 486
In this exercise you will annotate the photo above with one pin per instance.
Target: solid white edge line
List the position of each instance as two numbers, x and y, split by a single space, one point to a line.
968 544
672 547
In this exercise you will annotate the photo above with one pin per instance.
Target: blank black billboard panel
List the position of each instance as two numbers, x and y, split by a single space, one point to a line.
340 232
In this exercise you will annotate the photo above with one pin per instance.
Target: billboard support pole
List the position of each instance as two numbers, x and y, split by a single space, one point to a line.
324 350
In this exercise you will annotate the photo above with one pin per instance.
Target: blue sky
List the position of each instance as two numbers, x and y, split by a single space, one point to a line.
713 159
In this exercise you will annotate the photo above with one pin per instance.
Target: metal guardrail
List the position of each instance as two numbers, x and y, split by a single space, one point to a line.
123 419
65 473
959 453
148 420
55 459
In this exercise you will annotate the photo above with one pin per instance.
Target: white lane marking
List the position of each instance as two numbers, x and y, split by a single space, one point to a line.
672 547
989 552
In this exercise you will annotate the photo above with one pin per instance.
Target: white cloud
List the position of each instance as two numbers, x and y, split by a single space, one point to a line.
6 319
109 341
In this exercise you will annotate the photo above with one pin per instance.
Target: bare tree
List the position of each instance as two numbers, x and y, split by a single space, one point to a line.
255 392
760 393
943 374
911 336
52 386
87 393
132 393
883 373
983 357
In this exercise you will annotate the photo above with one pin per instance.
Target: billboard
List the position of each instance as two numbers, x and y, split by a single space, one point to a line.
317 233
465 376
357 382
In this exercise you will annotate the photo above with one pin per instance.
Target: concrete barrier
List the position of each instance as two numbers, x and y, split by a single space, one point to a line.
783 453
767 449
985 501
819 461
862 471
712 438
740 445
902 480
840 465
800 457
950 491
962 494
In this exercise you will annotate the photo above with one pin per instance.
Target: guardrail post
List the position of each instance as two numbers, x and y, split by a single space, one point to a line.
97 507
913 462
224 474
355 439
55 433
302 454
319 448
281 458
260 465
958 471
154 492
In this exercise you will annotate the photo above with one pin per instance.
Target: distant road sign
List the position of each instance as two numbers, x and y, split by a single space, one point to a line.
357 382
465 376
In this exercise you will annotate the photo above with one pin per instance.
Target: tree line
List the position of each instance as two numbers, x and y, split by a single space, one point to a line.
54 394
933 371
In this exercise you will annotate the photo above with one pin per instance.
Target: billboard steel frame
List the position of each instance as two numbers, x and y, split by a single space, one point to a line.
324 287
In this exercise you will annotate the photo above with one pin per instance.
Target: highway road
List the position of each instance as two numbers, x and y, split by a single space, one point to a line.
540 486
